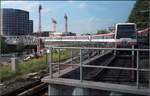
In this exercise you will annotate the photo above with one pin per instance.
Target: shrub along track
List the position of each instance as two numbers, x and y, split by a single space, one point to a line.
33 89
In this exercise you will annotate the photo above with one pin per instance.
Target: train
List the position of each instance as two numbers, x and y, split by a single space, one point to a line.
125 35
88 38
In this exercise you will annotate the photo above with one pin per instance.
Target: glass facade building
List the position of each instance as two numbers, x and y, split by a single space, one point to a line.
30 27
16 22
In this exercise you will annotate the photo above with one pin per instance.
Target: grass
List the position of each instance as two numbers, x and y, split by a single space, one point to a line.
34 65
6 73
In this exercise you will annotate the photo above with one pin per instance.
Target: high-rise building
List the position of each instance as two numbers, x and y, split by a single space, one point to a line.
15 22
30 27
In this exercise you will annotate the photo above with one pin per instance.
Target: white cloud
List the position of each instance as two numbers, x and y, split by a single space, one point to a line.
32 7
90 25
87 25
46 10
25 5
71 1
6 3
60 5
82 5
46 28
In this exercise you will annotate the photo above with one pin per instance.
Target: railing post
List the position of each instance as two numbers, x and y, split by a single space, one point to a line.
132 65
137 72
89 54
72 56
51 61
133 51
115 51
46 58
81 65
59 61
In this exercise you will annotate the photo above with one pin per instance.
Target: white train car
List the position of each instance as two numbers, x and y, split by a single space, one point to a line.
103 38
89 38
125 34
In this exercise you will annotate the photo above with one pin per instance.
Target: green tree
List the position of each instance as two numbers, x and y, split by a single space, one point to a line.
101 32
20 47
3 46
85 34
140 14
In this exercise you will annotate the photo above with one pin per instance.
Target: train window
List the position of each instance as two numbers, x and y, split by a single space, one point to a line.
126 31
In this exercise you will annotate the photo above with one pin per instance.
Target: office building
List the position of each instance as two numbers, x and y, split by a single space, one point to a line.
15 22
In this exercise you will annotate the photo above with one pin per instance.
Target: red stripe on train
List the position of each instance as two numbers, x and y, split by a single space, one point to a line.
131 43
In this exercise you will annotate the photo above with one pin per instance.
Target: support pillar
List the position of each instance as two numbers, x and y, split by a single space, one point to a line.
53 90
80 91
14 64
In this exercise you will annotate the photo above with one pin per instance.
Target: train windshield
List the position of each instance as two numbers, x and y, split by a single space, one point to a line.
126 31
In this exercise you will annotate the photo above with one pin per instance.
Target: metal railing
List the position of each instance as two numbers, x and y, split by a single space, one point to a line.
137 69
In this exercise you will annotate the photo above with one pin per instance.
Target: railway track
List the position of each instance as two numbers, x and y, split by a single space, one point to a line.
122 76
19 90
117 76
95 74
111 75
37 87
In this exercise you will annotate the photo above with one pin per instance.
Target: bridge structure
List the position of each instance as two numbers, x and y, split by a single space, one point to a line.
105 40
25 39
83 77
95 40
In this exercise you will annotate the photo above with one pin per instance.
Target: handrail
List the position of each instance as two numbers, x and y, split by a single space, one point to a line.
137 69
90 48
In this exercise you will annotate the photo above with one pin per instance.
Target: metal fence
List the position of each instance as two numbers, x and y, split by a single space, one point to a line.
137 69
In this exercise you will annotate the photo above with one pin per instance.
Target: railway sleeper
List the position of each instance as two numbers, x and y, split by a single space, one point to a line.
93 75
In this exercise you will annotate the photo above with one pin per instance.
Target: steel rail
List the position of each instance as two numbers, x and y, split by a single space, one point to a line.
61 64
119 68
90 48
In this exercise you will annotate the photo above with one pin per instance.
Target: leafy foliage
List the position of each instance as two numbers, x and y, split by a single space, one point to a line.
20 47
34 65
101 32
3 46
140 14
86 34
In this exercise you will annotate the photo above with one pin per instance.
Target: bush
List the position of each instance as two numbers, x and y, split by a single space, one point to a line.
19 78
34 65
6 73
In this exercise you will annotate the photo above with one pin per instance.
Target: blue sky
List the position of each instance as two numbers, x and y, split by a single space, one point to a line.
83 16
